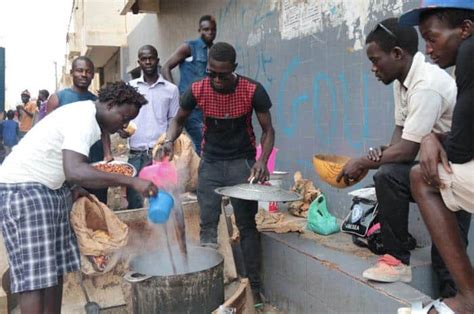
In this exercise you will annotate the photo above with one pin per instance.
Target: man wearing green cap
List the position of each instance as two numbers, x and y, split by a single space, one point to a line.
443 183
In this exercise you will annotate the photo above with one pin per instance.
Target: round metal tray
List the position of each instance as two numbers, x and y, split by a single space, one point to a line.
116 162
258 192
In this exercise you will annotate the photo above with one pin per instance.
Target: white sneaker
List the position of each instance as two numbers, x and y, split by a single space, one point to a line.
388 269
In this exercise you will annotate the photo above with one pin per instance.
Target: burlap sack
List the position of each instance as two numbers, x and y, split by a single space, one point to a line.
185 160
98 230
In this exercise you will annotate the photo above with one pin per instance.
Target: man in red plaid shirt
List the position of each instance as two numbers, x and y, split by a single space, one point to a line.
228 101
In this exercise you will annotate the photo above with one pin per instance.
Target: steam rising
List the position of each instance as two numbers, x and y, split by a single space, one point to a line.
158 263
161 249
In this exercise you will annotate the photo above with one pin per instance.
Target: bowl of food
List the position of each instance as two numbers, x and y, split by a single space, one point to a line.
118 167
328 168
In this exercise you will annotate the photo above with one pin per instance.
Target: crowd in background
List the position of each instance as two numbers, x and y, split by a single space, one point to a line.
16 123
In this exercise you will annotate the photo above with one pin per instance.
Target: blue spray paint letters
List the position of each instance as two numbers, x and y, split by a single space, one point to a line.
335 87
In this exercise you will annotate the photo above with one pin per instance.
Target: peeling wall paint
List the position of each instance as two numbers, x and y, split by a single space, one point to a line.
300 18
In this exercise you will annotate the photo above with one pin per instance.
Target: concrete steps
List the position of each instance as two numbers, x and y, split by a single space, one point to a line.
309 275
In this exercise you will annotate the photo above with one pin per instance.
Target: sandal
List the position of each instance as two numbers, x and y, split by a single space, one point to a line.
438 305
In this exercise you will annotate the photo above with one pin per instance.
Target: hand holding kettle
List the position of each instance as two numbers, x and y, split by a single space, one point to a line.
166 149
144 187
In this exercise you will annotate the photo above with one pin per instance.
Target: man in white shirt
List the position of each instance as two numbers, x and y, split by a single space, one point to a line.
153 119
424 100
38 181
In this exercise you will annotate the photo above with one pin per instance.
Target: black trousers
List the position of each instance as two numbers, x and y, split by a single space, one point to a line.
392 185
215 174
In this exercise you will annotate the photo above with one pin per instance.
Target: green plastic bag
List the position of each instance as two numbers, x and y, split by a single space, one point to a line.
319 219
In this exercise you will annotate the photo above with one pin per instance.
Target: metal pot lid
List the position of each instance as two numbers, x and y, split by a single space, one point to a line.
258 192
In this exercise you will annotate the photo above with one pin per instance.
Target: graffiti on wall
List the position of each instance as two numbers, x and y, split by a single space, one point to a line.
257 59
286 45
335 87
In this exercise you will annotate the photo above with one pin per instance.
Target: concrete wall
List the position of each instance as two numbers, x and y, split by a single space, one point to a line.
313 66
112 68
310 57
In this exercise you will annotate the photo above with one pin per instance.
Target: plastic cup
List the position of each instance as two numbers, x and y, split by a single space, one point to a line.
160 207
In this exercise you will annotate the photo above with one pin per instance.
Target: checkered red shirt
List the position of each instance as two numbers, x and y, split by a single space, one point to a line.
228 131
224 106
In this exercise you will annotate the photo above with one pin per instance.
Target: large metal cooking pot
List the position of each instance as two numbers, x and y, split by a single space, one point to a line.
197 287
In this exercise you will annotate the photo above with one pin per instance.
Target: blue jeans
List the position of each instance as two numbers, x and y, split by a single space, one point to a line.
139 160
193 126
215 174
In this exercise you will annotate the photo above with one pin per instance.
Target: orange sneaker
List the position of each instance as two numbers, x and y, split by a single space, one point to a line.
388 269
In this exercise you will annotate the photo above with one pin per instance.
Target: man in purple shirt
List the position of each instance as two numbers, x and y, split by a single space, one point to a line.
153 120
42 104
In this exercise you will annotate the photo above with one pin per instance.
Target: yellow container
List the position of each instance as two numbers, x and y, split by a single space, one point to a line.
329 166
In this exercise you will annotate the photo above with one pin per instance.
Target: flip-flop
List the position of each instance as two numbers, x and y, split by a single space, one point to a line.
417 307
442 308
438 305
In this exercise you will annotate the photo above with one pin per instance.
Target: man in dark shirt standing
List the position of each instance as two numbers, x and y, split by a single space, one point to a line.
444 181
191 57
227 101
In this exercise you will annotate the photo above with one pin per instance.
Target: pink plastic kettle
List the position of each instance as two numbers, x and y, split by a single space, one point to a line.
162 174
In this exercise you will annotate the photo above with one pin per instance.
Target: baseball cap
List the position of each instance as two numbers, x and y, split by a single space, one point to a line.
413 17
26 92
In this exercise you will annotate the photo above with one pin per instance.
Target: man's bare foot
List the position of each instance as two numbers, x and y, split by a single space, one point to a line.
460 304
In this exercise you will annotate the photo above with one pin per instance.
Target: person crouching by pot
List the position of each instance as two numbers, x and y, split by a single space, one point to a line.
39 181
